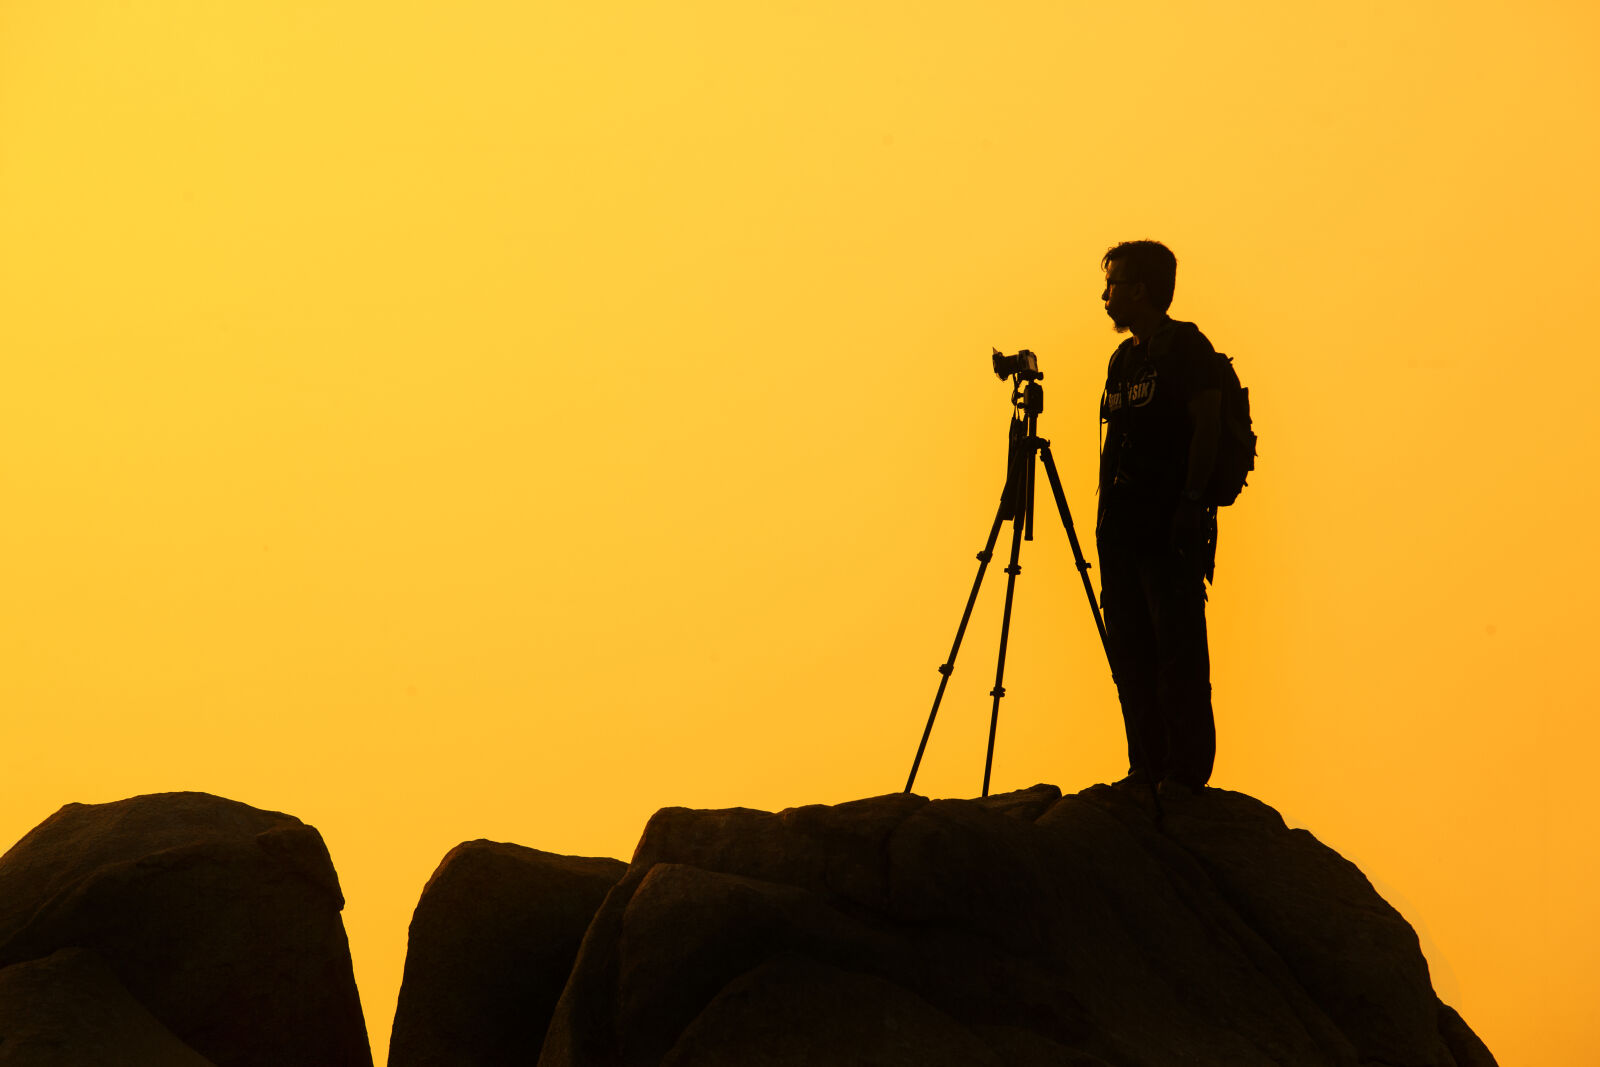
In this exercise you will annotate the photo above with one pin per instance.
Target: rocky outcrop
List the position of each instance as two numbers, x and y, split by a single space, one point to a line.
1028 928
221 920
69 1010
1095 930
492 942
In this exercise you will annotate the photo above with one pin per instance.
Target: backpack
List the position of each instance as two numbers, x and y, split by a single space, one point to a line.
1236 444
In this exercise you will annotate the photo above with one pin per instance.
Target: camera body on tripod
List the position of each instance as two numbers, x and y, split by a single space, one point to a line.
1025 365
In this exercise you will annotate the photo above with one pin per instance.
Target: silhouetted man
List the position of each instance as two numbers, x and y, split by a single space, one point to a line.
1156 535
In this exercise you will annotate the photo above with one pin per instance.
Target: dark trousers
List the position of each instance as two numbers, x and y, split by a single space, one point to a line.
1154 602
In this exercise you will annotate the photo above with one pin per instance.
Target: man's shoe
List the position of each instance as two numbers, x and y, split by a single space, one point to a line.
1134 780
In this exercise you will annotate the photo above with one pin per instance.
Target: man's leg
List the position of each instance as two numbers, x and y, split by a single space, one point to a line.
1178 607
1131 643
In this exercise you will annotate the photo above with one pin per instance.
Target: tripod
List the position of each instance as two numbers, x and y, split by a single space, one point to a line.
1016 506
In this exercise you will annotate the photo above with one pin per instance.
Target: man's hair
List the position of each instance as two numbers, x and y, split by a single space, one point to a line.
1150 262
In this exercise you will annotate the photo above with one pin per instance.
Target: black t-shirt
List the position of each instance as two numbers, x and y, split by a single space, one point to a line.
1146 410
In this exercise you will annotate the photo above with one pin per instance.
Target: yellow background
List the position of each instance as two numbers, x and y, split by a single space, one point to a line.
497 419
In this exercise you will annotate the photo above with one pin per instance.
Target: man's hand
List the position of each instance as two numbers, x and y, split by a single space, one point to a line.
1191 529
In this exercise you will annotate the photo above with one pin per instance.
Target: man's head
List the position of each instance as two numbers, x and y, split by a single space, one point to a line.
1140 277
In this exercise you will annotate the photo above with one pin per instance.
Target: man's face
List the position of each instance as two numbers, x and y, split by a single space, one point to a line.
1121 296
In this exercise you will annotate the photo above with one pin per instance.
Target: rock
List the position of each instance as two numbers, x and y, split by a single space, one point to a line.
1353 953
756 1020
68 1010
1027 804
220 919
1465 1045
492 942
1022 929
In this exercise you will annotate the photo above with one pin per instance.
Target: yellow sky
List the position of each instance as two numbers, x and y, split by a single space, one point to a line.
462 420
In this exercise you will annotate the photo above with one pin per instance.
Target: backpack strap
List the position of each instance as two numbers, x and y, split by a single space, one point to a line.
1161 340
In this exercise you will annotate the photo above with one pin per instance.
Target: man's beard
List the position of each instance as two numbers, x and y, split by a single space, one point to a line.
1118 325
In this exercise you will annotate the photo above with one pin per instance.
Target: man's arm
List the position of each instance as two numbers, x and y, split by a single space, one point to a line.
1205 415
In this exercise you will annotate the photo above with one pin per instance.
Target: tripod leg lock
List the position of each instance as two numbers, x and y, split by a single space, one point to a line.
1014 569
985 556
946 668
998 691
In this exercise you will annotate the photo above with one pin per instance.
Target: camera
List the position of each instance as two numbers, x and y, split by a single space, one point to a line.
1024 364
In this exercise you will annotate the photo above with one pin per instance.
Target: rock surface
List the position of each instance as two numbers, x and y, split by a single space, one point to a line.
1091 930
492 942
69 1010
220 919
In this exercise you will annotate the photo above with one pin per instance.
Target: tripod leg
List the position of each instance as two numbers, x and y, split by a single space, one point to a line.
1017 527
1077 552
949 665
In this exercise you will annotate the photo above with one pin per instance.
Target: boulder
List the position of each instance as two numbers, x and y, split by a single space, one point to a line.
1094 930
222 920
869 1022
1467 1048
1357 958
491 944
69 1009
